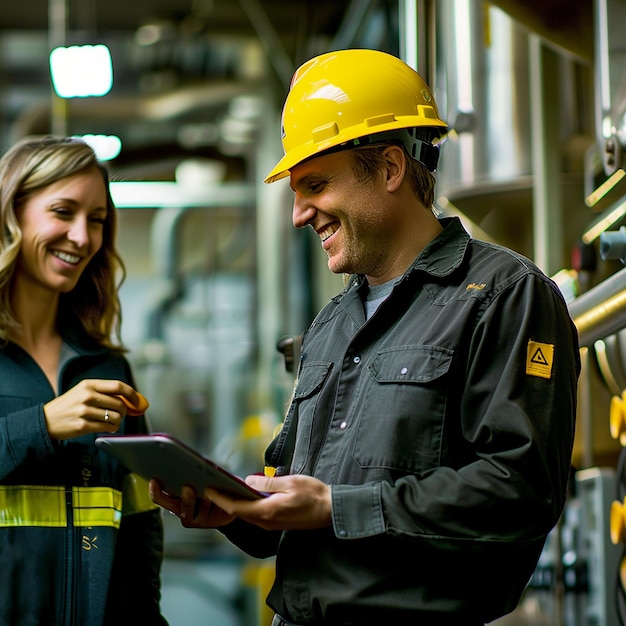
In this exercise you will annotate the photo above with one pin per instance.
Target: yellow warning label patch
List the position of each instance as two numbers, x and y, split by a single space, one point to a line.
539 358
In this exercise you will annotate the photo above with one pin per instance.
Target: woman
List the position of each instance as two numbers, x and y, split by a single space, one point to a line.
80 541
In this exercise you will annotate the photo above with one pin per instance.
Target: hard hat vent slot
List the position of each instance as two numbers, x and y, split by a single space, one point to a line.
327 131
426 111
386 118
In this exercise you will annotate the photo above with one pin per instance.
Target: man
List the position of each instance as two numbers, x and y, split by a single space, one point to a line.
426 451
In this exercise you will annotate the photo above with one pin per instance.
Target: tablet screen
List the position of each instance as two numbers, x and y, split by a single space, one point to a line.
174 464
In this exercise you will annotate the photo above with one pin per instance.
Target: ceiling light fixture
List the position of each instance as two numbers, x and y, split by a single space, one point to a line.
81 71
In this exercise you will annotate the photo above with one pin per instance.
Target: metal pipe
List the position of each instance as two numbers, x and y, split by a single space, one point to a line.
601 311
57 34
547 203
409 38
269 39
596 295
603 320
353 20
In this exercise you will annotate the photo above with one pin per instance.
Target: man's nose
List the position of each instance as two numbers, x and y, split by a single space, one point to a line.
303 211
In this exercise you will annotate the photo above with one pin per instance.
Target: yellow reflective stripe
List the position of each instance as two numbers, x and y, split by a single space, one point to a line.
136 495
97 506
41 505
26 505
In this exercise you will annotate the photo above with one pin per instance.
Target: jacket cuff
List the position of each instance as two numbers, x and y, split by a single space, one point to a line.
357 510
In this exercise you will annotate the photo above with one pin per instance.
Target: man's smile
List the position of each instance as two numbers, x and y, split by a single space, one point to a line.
328 231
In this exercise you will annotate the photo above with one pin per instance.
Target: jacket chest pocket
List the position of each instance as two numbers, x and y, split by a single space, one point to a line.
401 417
306 399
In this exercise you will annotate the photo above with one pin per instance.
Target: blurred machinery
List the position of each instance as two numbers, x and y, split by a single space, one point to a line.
585 563
519 148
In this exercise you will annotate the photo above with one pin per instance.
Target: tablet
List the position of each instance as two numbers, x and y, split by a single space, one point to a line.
174 464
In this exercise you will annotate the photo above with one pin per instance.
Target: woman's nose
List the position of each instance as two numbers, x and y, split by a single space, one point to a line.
79 231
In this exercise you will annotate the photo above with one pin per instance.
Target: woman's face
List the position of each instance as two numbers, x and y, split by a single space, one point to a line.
62 229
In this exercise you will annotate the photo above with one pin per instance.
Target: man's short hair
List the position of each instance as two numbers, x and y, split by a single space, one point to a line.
368 160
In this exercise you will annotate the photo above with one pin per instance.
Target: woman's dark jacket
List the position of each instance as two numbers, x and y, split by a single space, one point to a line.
80 541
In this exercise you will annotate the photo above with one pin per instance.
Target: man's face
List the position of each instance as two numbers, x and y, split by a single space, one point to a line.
351 217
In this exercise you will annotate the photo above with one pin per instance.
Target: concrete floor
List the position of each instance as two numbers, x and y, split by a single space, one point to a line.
201 593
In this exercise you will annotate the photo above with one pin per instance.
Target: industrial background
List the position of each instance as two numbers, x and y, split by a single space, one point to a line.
217 279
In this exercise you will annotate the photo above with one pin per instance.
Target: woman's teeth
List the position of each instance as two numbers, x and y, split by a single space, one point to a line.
68 258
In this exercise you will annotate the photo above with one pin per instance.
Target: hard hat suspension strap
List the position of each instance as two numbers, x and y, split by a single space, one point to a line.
416 141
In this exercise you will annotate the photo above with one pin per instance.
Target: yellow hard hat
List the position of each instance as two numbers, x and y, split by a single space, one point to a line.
345 95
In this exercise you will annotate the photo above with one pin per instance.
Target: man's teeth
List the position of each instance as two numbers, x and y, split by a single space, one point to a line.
326 233
68 258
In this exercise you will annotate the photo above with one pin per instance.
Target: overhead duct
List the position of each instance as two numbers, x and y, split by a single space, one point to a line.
185 101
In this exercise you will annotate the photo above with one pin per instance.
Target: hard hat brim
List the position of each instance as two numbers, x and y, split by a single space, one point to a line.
310 150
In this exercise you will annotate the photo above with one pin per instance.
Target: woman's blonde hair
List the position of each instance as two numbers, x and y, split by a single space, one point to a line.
30 165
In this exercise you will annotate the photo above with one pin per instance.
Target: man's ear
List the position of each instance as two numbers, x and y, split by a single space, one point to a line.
395 159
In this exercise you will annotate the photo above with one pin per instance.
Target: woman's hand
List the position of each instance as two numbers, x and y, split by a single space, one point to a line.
92 406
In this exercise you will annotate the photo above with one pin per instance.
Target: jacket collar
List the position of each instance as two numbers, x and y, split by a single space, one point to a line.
444 254
74 336
441 257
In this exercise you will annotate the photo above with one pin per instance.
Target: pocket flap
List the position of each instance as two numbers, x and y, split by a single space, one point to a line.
311 379
411 364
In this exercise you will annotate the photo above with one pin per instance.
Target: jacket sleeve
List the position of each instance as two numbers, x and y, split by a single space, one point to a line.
252 540
23 438
509 434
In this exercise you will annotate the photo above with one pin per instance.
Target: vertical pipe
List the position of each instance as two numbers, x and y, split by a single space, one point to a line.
602 74
409 39
269 39
57 35
417 36
272 211
585 412
545 152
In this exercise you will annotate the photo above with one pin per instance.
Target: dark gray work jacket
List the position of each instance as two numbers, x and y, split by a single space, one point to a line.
445 426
